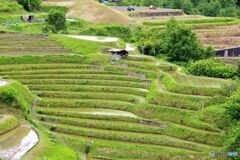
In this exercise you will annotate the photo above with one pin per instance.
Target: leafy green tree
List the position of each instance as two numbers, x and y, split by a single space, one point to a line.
151 2
233 133
233 112
30 5
56 21
233 107
210 9
233 138
187 7
181 44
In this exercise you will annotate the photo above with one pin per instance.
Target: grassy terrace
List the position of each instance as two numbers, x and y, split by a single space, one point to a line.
199 23
15 44
126 107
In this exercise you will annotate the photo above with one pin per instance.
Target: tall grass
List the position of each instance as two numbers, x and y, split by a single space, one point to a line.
78 46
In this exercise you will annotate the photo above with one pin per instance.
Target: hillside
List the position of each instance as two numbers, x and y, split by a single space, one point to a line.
216 8
62 97
220 32
91 10
10 6
137 108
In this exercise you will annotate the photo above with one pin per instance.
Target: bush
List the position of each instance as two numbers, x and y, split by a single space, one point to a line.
233 107
17 96
234 138
30 5
212 68
180 44
108 30
177 42
56 21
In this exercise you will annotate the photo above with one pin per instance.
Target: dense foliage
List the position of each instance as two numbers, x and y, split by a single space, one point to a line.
15 95
177 42
205 7
233 107
56 21
233 111
30 5
212 68
181 44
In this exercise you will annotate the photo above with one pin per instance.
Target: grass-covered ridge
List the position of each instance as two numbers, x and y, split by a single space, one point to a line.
15 95
7 123
10 6
124 103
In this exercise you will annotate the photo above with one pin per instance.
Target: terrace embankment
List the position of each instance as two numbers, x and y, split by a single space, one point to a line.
117 107
18 44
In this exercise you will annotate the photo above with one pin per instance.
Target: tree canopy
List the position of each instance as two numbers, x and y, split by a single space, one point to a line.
176 42
180 43
56 21
204 7
30 5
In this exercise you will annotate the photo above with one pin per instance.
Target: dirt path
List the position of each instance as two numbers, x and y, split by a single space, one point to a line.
96 38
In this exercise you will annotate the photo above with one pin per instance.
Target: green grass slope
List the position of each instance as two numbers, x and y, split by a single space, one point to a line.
120 109
10 6
17 44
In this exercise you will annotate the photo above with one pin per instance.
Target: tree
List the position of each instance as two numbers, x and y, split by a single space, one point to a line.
187 7
30 5
210 9
151 2
181 44
233 138
233 107
56 21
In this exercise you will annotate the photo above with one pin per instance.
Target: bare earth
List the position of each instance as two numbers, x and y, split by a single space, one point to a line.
91 10
220 37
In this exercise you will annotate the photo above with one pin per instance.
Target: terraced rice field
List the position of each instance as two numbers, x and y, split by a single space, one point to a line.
15 139
217 32
118 109
17 44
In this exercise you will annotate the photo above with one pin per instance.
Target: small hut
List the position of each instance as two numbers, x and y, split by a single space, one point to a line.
228 52
117 54
27 18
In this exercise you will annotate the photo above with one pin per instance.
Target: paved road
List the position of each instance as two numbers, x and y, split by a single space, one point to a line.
138 9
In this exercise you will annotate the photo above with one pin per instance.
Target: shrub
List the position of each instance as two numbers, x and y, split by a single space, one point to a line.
30 5
233 139
17 96
56 21
233 107
212 68
181 44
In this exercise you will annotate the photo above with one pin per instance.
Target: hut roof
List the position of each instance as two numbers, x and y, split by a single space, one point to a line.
223 49
115 50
